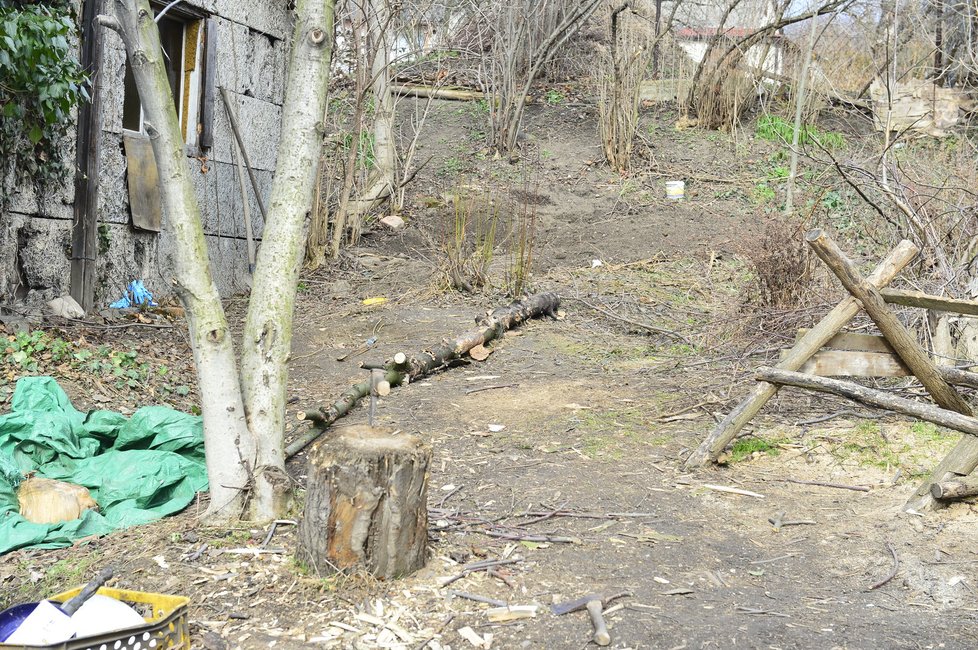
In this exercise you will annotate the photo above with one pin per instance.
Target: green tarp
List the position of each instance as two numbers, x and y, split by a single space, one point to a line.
138 469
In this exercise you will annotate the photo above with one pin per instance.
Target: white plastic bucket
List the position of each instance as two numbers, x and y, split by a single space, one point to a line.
675 190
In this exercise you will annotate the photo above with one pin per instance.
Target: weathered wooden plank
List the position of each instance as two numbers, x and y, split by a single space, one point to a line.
854 341
826 328
88 146
926 301
890 326
209 92
143 177
849 363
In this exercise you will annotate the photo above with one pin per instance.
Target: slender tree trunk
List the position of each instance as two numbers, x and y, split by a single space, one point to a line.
228 444
267 336
380 29
803 75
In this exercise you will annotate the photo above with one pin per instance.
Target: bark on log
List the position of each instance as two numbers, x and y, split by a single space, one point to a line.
366 503
934 303
403 369
959 489
962 460
872 397
903 343
424 92
807 345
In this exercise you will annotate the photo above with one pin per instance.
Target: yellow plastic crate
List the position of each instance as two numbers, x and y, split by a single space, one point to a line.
166 624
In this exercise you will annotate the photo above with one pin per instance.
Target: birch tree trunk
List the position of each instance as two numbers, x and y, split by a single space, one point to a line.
243 444
228 444
267 336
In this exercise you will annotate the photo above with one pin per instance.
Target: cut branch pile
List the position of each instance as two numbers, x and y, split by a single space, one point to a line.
403 369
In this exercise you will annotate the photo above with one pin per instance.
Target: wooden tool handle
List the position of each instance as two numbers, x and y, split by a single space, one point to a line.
87 592
601 636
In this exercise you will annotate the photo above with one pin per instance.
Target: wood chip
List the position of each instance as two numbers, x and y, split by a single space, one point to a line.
511 613
677 592
732 490
480 353
472 637
373 620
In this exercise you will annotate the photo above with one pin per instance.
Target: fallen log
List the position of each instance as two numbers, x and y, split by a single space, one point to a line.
432 92
403 369
955 489
872 397
805 347
962 460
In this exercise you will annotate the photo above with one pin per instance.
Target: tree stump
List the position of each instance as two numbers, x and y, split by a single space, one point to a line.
366 503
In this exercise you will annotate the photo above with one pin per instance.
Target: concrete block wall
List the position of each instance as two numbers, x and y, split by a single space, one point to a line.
35 232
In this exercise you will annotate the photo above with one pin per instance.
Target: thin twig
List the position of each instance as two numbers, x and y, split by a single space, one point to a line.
651 328
479 390
838 486
893 572
477 598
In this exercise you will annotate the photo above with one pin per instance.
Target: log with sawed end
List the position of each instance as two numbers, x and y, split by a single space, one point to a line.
403 369
966 486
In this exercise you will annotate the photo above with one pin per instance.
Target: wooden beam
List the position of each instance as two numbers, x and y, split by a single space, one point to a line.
851 363
926 301
808 345
855 342
872 397
209 91
88 145
903 343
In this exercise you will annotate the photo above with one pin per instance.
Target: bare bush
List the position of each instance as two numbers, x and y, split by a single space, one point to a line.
781 264
623 67
519 38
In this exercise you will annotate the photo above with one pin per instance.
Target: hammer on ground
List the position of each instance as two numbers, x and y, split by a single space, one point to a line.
594 604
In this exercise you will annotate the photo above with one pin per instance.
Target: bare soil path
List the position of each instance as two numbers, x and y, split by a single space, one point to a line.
572 469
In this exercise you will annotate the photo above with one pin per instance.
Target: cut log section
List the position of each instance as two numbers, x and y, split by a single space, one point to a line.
366 503
808 345
958 489
403 369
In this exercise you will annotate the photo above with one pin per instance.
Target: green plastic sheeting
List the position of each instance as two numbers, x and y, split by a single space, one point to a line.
138 469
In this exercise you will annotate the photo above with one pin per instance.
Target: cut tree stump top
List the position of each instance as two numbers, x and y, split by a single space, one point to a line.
366 441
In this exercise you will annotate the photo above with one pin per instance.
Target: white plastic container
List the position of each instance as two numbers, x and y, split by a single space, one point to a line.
675 190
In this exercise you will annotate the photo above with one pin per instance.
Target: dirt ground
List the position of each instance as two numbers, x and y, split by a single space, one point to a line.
581 440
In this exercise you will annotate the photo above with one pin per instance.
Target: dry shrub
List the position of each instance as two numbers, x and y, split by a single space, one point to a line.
724 92
781 263
623 67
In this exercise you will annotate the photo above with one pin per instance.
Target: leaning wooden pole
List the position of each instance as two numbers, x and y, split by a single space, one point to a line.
806 346
872 397
962 460
904 344
403 369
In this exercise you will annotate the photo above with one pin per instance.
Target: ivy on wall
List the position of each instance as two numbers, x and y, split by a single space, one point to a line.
41 83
